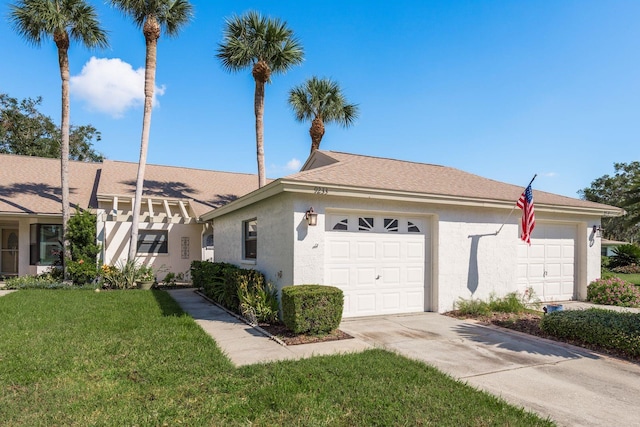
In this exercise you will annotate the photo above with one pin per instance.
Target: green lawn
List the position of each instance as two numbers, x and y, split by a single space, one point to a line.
83 358
633 278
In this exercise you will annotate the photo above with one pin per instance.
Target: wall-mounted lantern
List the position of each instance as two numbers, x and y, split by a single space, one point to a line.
311 217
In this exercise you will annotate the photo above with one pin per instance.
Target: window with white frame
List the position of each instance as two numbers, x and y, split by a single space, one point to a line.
153 241
250 237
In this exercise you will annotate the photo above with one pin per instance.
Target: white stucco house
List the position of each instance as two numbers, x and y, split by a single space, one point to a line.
395 236
401 237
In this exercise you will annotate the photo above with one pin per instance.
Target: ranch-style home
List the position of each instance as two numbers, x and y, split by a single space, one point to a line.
395 236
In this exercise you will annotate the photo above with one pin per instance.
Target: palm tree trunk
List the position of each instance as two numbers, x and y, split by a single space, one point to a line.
317 132
152 33
259 111
62 42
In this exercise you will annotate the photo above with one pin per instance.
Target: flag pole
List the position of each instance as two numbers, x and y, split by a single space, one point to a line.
514 208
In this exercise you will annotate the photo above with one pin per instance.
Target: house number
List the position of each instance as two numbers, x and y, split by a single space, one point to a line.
321 190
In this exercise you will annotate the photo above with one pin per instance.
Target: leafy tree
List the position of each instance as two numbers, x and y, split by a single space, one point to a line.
622 190
26 131
153 17
267 46
62 21
321 101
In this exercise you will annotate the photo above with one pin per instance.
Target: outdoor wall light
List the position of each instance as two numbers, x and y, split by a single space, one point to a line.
311 217
597 231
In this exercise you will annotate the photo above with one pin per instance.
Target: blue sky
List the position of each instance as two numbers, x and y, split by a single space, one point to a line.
502 89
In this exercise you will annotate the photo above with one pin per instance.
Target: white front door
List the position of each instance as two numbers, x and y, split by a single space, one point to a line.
548 265
380 272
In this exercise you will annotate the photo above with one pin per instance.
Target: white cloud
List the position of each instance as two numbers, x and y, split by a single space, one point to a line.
111 86
294 164
550 174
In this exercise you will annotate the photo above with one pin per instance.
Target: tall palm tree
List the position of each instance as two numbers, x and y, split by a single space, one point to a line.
321 101
267 46
62 21
153 17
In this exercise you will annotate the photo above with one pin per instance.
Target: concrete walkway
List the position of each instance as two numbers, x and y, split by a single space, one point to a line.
245 345
571 385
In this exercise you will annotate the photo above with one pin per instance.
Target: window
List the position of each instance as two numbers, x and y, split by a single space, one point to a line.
391 225
45 244
412 228
153 242
342 225
365 224
250 236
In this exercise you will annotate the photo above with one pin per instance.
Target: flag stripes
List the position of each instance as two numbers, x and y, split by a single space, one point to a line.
525 202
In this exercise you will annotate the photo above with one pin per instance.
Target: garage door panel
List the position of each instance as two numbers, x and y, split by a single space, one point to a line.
366 303
365 276
366 251
415 251
390 276
339 276
390 301
415 275
340 250
391 250
553 251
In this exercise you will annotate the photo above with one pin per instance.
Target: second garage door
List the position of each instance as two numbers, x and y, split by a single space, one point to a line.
381 269
548 265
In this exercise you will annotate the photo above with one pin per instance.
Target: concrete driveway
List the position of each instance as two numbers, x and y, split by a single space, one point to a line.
572 386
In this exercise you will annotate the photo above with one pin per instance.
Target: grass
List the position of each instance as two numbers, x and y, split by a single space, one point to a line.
633 278
83 358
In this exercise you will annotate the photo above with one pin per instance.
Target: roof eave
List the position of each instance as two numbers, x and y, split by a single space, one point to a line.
315 188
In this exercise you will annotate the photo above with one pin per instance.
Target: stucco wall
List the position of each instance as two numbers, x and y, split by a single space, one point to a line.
275 234
116 246
465 258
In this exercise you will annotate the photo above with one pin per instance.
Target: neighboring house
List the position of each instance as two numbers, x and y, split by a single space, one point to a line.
401 237
607 246
170 234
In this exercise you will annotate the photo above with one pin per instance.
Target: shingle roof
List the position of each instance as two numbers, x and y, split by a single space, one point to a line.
336 168
32 184
205 189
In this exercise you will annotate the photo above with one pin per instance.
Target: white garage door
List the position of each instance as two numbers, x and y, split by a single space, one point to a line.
548 265
378 262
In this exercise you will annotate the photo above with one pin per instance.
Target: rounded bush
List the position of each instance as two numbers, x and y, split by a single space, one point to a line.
613 291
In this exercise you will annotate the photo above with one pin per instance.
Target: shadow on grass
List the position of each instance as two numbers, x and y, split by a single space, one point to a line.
168 305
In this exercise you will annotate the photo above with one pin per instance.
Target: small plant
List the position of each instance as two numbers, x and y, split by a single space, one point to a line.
145 274
258 301
120 276
169 279
44 281
613 291
472 307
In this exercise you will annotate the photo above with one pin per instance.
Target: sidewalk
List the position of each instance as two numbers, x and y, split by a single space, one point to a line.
245 345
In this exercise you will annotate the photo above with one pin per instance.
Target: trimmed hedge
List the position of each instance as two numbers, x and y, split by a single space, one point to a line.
606 328
314 309
222 281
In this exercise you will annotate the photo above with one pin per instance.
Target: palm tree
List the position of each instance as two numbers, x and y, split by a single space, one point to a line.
154 17
321 101
61 20
267 46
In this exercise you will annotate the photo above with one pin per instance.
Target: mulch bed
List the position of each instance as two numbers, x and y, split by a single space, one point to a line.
289 338
529 323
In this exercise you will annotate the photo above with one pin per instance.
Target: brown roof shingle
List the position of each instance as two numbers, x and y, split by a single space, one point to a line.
345 169
30 185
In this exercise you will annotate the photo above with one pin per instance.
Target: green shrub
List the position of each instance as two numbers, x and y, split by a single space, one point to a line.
123 275
613 291
606 328
81 272
44 281
625 255
258 301
314 309
513 302
627 269
472 307
81 232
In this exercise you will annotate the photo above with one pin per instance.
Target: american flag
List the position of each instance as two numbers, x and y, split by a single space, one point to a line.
525 202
